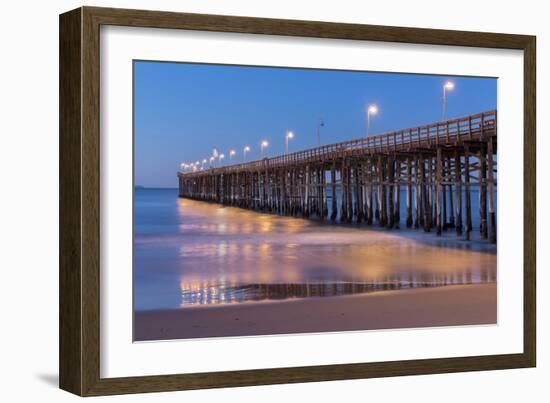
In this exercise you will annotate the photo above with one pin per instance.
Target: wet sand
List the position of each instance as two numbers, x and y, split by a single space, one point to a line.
472 304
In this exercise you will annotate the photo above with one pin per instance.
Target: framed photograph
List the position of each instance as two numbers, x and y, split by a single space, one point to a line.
249 201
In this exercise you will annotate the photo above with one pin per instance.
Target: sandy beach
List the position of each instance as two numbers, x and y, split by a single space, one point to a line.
438 306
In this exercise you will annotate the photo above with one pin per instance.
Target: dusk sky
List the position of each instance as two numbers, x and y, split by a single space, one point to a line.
183 110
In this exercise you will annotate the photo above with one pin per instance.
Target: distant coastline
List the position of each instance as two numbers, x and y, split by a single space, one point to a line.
141 187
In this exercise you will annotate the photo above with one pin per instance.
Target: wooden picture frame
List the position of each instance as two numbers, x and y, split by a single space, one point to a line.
80 186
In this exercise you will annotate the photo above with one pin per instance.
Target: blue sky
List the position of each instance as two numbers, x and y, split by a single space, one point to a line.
182 110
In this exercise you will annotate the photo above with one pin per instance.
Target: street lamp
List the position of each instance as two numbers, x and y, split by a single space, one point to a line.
289 135
263 145
231 154
448 86
212 160
321 124
371 110
220 158
203 162
245 150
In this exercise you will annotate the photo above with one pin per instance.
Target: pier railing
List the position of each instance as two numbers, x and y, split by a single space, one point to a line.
477 127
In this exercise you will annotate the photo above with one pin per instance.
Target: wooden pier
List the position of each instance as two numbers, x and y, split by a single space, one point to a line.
361 180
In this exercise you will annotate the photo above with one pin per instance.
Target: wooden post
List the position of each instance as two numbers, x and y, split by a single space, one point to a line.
382 193
378 171
363 187
426 207
324 212
443 199
358 194
307 203
368 191
397 195
417 194
284 190
296 192
301 177
343 191
391 173
267 187
438 193
491 183
483 192
448 175
334 201
468 202
279 189
409 193
458 194
290 191
349 193
320 200
430 184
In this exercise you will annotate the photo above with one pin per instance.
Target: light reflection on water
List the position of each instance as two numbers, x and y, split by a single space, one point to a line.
189 253
220 293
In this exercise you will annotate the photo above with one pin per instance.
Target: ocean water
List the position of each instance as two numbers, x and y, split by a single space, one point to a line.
189 253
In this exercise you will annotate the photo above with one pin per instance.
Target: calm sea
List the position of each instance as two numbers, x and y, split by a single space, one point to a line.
189 253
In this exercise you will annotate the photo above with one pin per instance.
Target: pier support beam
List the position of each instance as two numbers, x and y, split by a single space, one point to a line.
491 184
343 192
458 194
368 191
358 193
448 175
439 192
333 196
426 206
468 201
483 193
397 195
391 206
409 193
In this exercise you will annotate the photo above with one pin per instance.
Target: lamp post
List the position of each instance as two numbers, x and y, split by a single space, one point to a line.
220 158
203 162
449 85
289 135
231 154
263 145
371 110
321 124
245 150
212 161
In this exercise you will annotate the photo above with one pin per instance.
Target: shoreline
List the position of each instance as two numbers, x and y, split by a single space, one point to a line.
448 237
452 305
